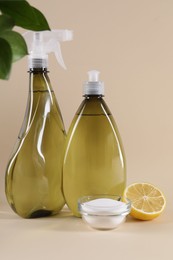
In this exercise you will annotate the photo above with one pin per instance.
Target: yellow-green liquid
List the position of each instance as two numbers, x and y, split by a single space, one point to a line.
34 172
94 160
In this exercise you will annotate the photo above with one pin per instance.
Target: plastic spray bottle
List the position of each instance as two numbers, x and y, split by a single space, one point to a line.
94 162
34 172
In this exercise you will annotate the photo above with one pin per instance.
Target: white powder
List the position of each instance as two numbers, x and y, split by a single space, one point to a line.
104 205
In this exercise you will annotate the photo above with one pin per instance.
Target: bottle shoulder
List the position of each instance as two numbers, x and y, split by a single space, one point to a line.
93 114
93 106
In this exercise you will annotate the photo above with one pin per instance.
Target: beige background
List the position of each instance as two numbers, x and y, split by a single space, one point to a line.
131 43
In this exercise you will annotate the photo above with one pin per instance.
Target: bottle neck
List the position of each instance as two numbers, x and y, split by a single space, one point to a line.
39 80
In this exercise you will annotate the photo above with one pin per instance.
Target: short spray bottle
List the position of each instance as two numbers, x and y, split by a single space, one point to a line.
34 172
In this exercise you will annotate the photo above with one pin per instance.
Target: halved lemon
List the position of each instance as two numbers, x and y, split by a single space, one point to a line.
148 202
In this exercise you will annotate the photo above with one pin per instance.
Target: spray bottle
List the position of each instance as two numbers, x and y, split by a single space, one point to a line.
94 161
34 172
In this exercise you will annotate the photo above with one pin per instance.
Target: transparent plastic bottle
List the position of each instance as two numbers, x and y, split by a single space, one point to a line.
94 161
34 172
33 180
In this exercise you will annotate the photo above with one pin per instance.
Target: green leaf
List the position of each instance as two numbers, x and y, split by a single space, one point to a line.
6 23
5 59
25 15
17 44
41 21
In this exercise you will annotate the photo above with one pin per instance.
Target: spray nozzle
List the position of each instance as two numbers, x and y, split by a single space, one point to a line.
41 43
93 86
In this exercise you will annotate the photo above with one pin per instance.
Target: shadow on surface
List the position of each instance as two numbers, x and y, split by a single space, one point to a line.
63 222
7 214
66 222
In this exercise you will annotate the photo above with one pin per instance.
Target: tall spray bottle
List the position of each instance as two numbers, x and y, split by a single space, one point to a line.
94 161
34 172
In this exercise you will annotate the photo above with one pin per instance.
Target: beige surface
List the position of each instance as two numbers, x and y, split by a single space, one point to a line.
66 237
131 43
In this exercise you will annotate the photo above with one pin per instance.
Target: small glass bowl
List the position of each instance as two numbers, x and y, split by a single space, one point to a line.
103 212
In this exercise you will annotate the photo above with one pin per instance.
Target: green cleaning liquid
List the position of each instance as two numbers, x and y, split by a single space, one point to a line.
34 172
94 161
